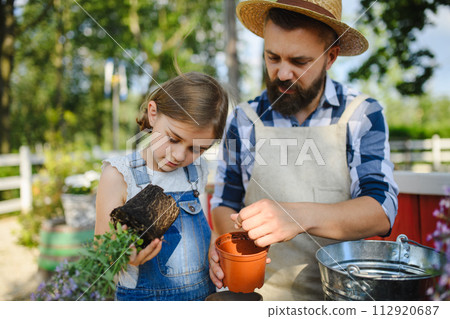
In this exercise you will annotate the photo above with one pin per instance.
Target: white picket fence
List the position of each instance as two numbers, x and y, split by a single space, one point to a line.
434 153
24 160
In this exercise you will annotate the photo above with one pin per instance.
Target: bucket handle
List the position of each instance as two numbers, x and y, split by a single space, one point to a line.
353 270
404 239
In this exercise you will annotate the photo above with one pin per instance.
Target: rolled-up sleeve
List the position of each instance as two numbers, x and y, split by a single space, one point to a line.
371 170
228 189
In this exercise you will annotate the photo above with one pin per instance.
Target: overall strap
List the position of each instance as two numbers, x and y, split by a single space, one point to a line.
352 107
251 114
139 169
192 177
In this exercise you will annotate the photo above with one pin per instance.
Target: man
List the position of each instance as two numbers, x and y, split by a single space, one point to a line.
307 162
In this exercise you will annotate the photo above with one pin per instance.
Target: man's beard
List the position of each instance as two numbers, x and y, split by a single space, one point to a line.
290 104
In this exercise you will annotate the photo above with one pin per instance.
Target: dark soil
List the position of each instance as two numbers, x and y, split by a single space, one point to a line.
150 213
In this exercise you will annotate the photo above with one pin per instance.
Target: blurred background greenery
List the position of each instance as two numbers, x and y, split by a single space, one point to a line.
56 85
53 55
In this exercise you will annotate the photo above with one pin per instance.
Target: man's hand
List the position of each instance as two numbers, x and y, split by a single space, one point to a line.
215 272
267 222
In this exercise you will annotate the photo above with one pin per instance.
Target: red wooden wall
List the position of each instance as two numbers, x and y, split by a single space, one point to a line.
415 218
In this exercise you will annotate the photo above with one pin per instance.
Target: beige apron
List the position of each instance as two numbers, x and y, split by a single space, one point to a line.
298 164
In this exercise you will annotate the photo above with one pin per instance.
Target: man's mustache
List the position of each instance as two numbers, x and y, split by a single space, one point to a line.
284 84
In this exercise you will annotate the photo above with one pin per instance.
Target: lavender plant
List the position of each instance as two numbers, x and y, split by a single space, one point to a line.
91 277
441 237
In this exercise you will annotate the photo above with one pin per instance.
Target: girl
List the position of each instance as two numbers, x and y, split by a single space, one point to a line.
185 116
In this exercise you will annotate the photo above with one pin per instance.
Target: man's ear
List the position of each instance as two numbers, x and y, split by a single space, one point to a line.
332 55
152 113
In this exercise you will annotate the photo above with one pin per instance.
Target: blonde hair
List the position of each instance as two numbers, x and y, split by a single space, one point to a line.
193 98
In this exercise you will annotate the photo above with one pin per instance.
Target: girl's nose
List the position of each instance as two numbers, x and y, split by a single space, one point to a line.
178 153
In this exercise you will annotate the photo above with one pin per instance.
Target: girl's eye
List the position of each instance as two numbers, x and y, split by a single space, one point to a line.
172 140
196 150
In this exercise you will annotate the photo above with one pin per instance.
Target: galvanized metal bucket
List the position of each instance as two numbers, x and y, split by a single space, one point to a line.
378 270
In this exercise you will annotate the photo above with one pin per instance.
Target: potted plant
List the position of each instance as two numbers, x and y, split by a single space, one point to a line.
91 277
148 215
78 199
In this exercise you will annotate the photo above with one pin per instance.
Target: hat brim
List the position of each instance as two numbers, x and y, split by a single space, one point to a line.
252 15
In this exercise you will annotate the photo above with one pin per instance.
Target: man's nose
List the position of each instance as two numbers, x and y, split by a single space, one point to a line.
285 72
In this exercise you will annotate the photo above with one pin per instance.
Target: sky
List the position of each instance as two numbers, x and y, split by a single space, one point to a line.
435 38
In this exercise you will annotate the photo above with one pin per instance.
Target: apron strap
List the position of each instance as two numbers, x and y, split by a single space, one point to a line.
351 108
251 114
139 169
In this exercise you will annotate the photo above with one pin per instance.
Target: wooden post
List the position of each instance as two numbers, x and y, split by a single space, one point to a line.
232 59
436 151
115 111
26 197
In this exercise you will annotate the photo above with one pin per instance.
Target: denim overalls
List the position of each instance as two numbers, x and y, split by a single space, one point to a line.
181 270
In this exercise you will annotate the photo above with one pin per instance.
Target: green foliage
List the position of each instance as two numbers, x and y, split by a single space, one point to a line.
58 79
82 184
395 25
91 277
418 118
59 163
410 117
6 172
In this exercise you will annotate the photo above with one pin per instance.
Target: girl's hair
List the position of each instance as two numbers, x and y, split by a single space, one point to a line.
194 98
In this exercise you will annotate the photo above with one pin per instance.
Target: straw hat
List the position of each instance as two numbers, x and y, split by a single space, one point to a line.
252 14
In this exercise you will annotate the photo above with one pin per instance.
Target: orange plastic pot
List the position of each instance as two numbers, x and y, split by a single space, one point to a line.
243 263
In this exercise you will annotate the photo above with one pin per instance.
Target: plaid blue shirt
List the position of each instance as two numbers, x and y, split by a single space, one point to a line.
368 149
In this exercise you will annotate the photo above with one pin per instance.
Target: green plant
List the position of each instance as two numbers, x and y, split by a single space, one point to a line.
81 183
91 277
59 163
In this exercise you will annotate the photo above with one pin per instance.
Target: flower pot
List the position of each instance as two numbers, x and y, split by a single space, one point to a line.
59 242
234 296
79 210
242 262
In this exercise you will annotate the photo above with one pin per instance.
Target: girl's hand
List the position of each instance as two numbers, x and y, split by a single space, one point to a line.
145 254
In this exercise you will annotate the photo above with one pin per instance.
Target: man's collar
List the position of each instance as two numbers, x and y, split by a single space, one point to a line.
329 98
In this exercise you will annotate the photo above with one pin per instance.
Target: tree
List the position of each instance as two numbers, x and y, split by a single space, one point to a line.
396 24
10 29
60 61
231 47
7 22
